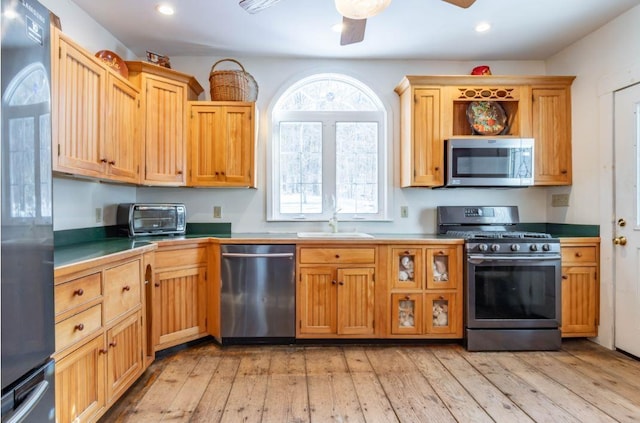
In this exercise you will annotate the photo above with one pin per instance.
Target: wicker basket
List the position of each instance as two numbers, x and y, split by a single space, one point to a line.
232 85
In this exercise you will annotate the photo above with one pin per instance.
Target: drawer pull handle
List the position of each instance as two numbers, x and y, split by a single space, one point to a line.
78 292
126 288
578 254
113 344
79 327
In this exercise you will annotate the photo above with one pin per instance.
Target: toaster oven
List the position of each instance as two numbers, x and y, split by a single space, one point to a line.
151 219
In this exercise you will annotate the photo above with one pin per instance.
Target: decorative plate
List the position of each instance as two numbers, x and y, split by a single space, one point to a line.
114 62
486 117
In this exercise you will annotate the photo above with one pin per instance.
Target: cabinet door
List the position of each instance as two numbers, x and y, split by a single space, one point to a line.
442 314
355 301
317 300
579 301
205 132
427 153
80 112
441 268
179 306
80 389
406 268
165 132
122 134
237 155
125 355
406 314
551 121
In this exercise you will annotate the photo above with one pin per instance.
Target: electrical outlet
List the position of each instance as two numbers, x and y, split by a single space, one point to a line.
98 214
560 200
217 212
404 211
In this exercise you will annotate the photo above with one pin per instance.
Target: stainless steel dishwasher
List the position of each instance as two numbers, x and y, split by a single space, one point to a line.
258 293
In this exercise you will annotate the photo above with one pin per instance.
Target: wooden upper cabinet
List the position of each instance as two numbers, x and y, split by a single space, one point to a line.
422 145
122 131
434 109
79 111
551 118
95 116
221 144
165 93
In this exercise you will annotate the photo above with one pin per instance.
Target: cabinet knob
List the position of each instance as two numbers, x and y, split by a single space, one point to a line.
341 283
217 173
333 282
437 168
78 292
103 160
565 277
563 171
406 297
179 172
126 288
440 253
79 327
102 351
578 254
337 256
441 297
407 253
157 285
112 162
113 344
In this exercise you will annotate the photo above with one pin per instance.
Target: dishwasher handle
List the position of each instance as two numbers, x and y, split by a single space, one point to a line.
258 255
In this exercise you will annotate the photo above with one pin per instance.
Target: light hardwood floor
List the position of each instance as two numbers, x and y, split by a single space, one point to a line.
582 383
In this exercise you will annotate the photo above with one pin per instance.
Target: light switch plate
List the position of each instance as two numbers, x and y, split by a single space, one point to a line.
559 200
404 211
217 212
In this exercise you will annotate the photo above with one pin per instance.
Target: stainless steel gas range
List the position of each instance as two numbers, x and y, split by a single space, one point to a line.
512 279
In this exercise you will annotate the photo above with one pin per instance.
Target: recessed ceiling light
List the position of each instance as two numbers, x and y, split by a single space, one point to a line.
483 27
337 27
165 9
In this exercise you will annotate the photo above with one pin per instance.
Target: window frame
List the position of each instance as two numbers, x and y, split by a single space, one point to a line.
328 120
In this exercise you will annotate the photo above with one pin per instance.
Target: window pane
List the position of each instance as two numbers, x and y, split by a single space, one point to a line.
300 167
357 167
327 95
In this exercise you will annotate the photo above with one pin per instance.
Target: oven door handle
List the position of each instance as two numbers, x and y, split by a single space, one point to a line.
477 259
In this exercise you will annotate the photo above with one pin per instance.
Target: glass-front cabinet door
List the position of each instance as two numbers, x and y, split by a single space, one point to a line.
407 268
441 268
406 316
440 313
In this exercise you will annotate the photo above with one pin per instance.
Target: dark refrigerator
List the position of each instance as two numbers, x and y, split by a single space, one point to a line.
27 223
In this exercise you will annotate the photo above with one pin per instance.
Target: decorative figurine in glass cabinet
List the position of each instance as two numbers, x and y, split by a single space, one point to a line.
405 268
440 269
406 313
440 313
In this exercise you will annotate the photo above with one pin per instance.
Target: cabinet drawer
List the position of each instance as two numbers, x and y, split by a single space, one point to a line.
77 292
586 254
78 327
337 255
121 289
177 258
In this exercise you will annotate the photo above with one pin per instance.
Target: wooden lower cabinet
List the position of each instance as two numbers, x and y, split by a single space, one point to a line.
80 387
179 296
125 355
580 287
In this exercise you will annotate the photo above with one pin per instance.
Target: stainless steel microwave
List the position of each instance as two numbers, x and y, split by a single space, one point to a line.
489 162
151 219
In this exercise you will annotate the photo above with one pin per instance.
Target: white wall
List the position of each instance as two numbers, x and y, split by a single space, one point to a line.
604 61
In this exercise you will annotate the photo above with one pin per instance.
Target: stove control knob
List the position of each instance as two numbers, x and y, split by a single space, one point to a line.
495 247
515 247
546 247
534 247
483 247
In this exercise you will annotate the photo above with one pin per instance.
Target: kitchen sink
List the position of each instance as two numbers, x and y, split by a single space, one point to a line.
333 235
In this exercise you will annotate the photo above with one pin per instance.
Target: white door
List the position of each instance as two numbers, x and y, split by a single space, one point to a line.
627 219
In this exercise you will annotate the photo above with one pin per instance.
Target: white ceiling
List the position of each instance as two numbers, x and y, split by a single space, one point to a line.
407 29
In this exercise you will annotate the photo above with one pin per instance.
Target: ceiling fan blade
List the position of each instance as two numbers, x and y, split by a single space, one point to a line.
255 6
352 31
461 3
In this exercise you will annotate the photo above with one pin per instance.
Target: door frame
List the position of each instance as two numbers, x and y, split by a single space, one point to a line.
607 85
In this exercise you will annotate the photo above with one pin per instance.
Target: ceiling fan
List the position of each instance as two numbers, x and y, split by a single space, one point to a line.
354 20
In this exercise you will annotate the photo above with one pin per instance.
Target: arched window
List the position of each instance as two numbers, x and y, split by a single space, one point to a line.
328 151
